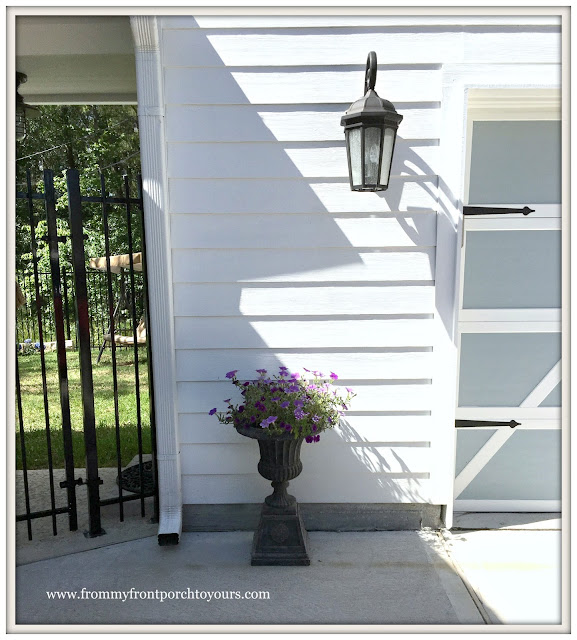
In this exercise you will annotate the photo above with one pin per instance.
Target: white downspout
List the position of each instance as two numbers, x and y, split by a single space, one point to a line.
145 32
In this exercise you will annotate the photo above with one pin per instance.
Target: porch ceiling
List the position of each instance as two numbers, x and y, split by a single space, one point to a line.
76 59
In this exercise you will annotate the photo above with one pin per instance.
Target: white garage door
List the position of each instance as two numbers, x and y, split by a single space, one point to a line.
510 316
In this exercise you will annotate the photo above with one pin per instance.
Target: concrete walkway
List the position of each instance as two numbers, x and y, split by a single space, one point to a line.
464 577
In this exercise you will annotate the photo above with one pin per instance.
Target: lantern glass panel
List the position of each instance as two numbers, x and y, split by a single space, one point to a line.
372 155
388 144
354 138
20 123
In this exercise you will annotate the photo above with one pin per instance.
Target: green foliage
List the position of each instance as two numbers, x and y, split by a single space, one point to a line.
94 139
287 403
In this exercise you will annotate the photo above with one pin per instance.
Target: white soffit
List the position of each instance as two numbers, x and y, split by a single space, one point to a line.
76 59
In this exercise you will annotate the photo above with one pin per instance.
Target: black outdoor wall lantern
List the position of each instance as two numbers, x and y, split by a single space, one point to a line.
371 125
23 110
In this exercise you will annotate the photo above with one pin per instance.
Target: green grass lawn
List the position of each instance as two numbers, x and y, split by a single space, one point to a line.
33 411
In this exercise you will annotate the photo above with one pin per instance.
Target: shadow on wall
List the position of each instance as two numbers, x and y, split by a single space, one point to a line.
274 265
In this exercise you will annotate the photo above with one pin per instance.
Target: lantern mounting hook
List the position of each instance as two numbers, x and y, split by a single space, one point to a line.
371 72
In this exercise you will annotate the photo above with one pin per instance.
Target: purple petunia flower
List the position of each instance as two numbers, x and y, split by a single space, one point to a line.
299 403
334 376
246 384
285 405
296 376
241 408
316 438
300 414
261 371
268 421
309 439
288 427
231 374
349 390
212 412
227 400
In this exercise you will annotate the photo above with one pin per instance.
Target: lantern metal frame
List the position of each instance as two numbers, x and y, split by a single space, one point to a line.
371 111
23 110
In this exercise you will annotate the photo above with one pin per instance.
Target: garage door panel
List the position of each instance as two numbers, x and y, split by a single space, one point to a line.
526 467
502 369
512 270
469 442
553 399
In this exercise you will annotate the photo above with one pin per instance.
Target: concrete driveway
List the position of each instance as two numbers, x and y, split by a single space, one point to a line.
464 579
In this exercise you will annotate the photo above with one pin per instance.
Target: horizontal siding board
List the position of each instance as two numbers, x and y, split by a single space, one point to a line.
252 123
212 364
231 333
199 397
509 75
203 231
242 458
304 265
218 299
222 86
257 160
523 46
297 196
308 487
361 18
204 429
201 49
424 46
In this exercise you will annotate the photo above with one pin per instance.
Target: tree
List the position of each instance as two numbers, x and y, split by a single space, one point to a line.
95 140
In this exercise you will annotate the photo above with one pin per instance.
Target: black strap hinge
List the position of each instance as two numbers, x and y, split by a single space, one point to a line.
484 211
462 424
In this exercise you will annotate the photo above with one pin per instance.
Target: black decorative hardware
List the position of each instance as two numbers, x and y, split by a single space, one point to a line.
461 424
371 125
77 482
484 211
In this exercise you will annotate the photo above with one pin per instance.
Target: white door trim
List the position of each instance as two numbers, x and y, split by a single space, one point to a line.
544 388
481 458
527 506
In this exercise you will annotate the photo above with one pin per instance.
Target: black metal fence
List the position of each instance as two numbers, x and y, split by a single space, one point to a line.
27 329
84 305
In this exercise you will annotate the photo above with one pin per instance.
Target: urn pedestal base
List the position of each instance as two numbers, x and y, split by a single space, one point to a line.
280 539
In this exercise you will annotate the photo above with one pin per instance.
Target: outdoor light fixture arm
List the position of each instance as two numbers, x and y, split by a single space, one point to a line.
371 71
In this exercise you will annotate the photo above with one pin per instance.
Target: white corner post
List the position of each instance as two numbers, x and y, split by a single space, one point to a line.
447 268
145 32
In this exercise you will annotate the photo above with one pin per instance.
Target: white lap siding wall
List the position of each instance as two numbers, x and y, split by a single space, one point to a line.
276 262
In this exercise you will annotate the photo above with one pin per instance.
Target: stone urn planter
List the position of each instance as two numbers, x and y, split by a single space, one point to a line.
280 538
280 411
